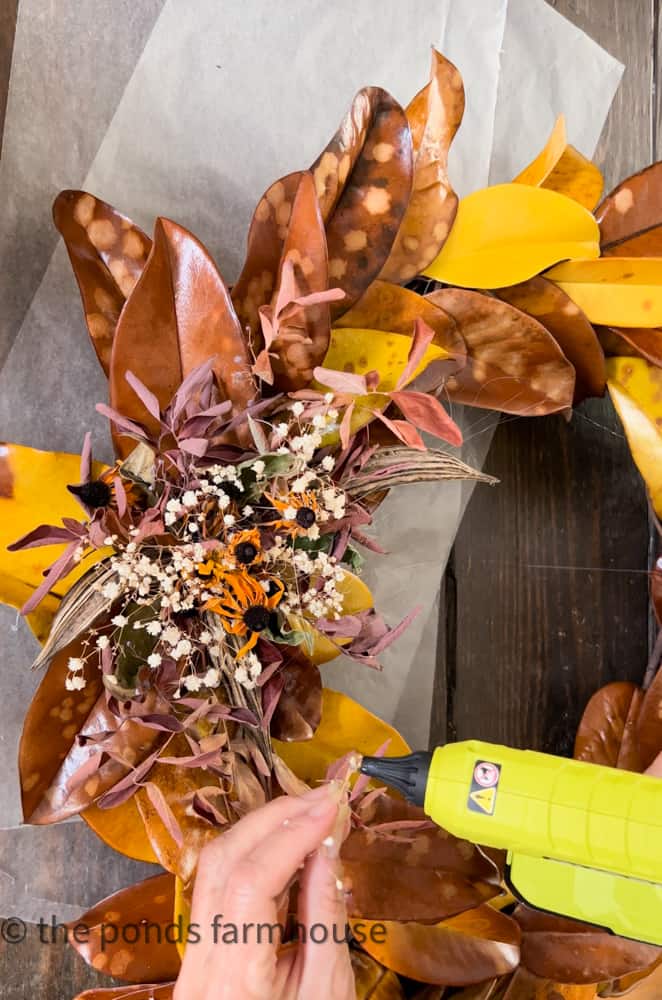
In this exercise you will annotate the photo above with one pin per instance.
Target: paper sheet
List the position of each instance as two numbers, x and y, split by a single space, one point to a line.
224 99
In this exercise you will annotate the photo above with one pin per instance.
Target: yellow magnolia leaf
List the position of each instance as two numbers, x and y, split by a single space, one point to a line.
562 168
507 233
356 596
122 829
33 491
614 291
360 351
181 916
345 726
635 387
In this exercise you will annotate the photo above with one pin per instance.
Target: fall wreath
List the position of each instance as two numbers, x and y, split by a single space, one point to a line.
192 590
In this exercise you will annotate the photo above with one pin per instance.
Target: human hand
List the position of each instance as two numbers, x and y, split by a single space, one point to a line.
242 877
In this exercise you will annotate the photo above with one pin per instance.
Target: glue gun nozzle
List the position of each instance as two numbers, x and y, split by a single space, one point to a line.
407 775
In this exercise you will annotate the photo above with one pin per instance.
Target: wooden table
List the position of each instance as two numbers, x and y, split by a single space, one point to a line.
546 594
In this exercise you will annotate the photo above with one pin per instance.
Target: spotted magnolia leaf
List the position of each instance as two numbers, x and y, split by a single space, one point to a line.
525 986
632 342
299 708
154 956
607 731
302 338
58 775
634 387
567 951
572 331
633 212
614 291
178 316
646 985
432 876
152 991
107 253
122 828
474 946
513 362
560 167
434 116
363 181
372 981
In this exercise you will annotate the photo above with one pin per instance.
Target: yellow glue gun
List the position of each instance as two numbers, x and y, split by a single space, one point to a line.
583 841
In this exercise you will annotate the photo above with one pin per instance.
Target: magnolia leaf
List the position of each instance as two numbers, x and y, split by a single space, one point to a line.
546 302
646 985
122 828
476 945
606 733
434 116
107 253
614 291
372 981
363 181
154 956
507 233
632 342
525 986
513 362
560 167
302 338
356 596
567 951
33 484
633 210
299 707
634 387
648 725
431 876
153 991
345 725
178 316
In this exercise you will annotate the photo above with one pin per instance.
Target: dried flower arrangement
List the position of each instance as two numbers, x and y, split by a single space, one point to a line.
214 568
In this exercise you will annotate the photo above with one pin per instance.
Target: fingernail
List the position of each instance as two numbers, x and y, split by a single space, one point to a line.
323 799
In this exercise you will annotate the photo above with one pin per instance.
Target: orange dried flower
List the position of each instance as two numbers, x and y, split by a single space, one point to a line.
244 606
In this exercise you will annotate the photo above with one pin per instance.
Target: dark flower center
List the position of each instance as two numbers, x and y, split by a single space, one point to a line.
231 490
245 552
256 618
93 494
305 517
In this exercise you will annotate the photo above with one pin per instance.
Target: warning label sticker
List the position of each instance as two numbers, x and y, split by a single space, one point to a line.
484 787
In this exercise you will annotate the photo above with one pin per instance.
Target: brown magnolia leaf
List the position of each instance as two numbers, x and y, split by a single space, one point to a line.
372 981
152 991
130 935
266 236
633 210
567 951
481 991
648 726
107 253
655 587
433 876
363 181
303 339
646 985
395 309
606 733
434 117
513 363
570 328
476 945
525 986
632 341
56 780
178 316
299 709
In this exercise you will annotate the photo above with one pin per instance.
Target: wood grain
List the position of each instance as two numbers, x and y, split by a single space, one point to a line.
549 569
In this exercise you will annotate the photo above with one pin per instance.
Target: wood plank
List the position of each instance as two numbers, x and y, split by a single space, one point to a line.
8 13
550 567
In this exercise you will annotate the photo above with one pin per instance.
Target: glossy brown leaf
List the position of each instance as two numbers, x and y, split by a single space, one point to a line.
567 951
633 209
394 309
606 733
363 181
107 253
303 339
434 117
646 985
178 316
648 725
474 946
266 236
513 363
525 986
299 707
428 879
130 935
570 328
372 980
632 341
153 991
